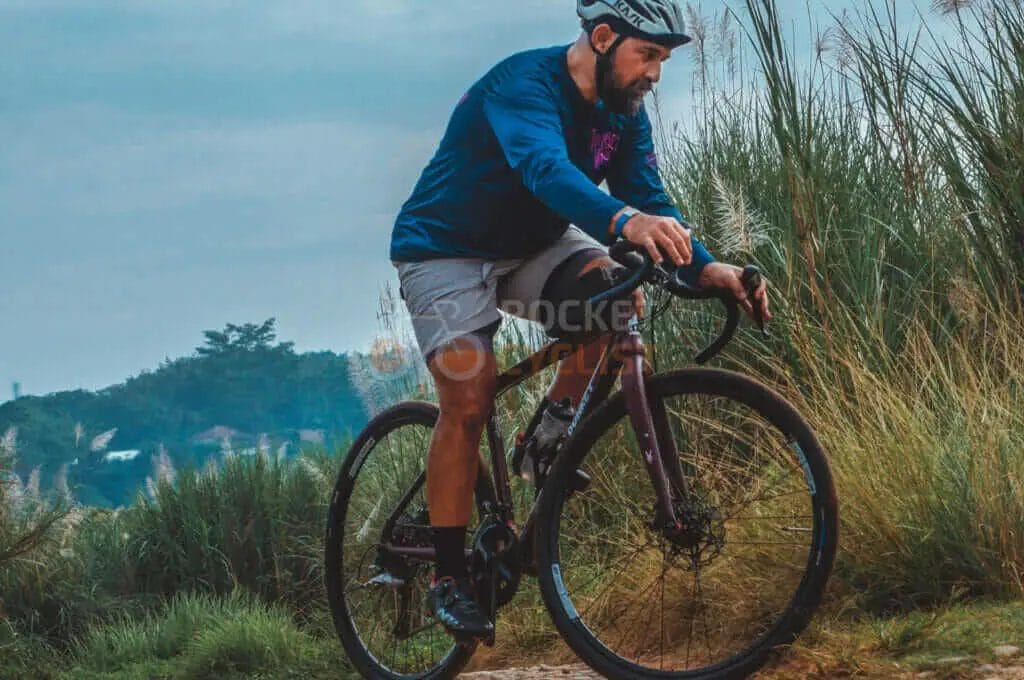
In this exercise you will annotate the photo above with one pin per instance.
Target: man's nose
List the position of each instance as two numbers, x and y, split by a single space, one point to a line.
654 73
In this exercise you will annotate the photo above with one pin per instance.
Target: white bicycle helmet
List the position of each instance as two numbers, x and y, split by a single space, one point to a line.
660 21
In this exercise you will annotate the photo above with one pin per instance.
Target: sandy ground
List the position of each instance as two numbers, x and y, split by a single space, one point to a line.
536 673
958 670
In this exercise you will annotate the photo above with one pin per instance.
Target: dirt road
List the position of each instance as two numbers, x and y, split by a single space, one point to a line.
536 673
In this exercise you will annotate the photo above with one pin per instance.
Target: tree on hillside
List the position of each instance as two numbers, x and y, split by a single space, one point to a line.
242 378
248 337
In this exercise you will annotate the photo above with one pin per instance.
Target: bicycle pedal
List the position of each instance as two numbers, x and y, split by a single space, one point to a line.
386 580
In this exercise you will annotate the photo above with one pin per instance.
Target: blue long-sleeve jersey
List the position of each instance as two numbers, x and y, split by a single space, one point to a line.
521 159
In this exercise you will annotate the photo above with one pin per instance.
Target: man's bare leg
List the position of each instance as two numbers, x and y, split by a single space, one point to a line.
465 376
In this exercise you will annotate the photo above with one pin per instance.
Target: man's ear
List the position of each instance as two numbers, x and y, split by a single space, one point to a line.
602 37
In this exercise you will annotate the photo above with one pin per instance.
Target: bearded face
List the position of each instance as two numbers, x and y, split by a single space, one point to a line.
621 93
627 70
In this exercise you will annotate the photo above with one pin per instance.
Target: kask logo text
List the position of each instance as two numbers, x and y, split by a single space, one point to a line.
629 13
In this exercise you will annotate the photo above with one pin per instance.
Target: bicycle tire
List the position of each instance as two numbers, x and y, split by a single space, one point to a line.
777 412
409 414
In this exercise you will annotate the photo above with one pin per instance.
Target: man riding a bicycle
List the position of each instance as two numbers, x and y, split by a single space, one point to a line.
508 216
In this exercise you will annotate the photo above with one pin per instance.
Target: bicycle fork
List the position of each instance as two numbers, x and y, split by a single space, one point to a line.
653 432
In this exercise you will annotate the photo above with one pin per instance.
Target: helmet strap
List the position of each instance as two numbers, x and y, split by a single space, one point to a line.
604 60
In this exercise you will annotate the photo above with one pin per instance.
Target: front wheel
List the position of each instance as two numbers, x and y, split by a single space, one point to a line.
760 527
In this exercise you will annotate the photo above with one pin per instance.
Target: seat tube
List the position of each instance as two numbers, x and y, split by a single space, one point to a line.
499 467
632 351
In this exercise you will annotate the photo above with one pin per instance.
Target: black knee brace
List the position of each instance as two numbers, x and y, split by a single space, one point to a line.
564 313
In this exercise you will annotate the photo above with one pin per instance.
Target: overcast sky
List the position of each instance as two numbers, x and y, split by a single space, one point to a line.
168 166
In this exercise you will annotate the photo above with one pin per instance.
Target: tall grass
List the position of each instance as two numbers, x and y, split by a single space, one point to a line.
877 183
202 636
253 524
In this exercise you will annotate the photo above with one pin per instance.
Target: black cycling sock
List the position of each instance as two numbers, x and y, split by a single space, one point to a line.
449 542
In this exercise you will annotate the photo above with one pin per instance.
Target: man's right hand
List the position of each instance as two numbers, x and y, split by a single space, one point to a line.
657 234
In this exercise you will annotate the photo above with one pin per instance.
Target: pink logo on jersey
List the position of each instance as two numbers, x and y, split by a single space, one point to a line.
603 145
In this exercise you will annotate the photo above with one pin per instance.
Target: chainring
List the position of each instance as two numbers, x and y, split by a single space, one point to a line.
496 565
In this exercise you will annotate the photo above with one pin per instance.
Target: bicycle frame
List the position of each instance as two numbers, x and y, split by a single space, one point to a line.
624 354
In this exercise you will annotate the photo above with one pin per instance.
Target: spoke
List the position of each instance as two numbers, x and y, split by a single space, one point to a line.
693 616
615 543
767 543
762 558
661 653
611 581
637 599
774 517
704 615
746 503
425 627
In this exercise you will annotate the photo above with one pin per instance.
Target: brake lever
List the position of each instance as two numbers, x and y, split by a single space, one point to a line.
751 279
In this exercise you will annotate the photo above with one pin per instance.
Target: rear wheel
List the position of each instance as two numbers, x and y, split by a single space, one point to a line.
378 600
746 570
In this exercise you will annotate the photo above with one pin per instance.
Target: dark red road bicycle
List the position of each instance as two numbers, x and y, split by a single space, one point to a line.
703 542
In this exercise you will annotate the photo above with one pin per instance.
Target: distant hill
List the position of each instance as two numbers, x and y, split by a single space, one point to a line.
240 389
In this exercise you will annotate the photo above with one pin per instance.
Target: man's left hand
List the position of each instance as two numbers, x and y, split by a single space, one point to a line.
727 276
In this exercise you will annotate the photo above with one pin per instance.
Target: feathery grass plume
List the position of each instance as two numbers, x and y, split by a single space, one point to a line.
13 494
945 7
726 44
698 29
843 41
60 482
9 442
741 228
823 43
314 471
163 472
163 467
101 441
32 485
393 369
226 450
69 524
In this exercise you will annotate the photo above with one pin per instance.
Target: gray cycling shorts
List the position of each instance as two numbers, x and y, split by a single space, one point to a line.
453 297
